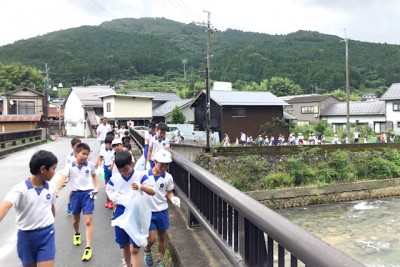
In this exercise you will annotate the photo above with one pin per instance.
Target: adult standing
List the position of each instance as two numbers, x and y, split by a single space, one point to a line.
102 130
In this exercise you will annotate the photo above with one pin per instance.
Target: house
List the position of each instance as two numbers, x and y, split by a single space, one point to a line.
307 108
363 114
392 106
159 98
22 110
82 109
239 111
162 113
124 108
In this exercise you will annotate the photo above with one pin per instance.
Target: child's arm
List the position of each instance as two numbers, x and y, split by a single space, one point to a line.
4 208
60 184
149 153
53 210
98 162
147 189
111 166
96 182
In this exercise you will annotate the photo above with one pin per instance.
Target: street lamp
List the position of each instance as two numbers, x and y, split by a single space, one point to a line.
59 107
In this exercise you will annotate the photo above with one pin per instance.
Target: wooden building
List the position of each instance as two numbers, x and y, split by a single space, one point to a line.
234 112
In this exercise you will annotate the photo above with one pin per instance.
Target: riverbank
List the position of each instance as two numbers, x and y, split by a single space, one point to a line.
305 196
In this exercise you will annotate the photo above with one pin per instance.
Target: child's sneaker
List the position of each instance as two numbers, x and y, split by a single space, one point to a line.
69 208
160 263
111 205
148 258
107 205
77 239
87 254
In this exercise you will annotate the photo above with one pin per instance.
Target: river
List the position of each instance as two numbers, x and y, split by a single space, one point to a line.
368 231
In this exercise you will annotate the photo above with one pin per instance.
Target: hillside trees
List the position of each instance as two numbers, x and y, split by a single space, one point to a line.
16 75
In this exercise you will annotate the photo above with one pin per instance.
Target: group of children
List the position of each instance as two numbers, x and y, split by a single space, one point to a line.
36 239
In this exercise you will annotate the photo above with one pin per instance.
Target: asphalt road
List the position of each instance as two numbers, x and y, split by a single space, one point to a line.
14 168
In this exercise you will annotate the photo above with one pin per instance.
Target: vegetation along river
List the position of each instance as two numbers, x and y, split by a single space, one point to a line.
368 231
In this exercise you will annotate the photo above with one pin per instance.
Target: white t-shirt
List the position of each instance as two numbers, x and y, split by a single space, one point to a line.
69 158
162 184
80 177
148 135
158 145
108 155
123 185
33 208
102 131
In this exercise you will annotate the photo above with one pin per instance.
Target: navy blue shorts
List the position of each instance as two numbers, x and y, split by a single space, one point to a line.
122 238
36 245
107 172
159 220
81 201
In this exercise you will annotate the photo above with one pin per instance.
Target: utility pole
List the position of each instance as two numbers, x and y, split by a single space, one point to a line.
347 88
46 101
184 62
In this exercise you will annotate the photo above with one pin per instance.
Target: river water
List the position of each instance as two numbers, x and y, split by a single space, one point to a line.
368 231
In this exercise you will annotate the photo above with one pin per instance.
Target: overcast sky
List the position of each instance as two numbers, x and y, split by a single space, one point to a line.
365 20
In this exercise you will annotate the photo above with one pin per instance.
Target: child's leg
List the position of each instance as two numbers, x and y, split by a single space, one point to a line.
162 244
126 253
89 229
46 263
150 240
136 256
75 222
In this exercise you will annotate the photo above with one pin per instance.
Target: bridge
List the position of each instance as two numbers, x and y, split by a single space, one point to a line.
223 222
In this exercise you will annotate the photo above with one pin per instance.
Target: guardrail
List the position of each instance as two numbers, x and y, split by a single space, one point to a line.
13 138
248 233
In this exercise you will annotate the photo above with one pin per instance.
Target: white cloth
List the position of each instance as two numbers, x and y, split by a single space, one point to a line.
162 184
157 145
80 177
33 209
102 130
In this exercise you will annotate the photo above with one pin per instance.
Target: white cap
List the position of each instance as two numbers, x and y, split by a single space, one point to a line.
163 156
116 141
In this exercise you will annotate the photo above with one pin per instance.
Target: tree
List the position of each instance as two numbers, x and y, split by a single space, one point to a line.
177 116
281 86
341 95
16 76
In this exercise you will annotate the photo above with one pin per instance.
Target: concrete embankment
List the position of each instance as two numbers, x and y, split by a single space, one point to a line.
296 197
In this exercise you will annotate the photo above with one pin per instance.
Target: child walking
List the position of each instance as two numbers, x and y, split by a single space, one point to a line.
164 185
157 142
81 175
118 188
34 200
106 155
68 160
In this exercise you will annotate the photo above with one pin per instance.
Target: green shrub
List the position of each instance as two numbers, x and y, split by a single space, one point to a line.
361 162
340 162
383 169
301 172
325 173
277 179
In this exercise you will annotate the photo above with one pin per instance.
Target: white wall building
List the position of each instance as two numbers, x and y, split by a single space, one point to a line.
392 101
83 108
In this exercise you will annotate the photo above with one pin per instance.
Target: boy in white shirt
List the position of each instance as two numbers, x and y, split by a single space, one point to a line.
157 142
68 160
118 188
107 155
147 136
81 173
34 201
163 186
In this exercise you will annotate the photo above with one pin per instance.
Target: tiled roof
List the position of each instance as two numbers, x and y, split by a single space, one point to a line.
90 96
356 108
158 96
167 107
308 99
246 98
392 93
17 118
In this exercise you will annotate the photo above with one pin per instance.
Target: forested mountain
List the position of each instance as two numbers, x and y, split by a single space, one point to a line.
126 48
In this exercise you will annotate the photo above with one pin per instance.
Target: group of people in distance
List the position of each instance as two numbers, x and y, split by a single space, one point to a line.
34 199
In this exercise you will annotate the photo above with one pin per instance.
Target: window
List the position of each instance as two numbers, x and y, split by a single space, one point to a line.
380 127
396 106
309 110
238 112
108 107
26 107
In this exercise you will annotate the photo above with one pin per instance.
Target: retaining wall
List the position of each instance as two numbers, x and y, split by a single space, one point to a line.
296 197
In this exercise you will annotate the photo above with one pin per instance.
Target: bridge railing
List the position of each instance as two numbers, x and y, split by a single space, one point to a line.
12 138
248 233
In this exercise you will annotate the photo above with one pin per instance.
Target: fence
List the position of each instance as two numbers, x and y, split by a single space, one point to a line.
248 233
14 138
